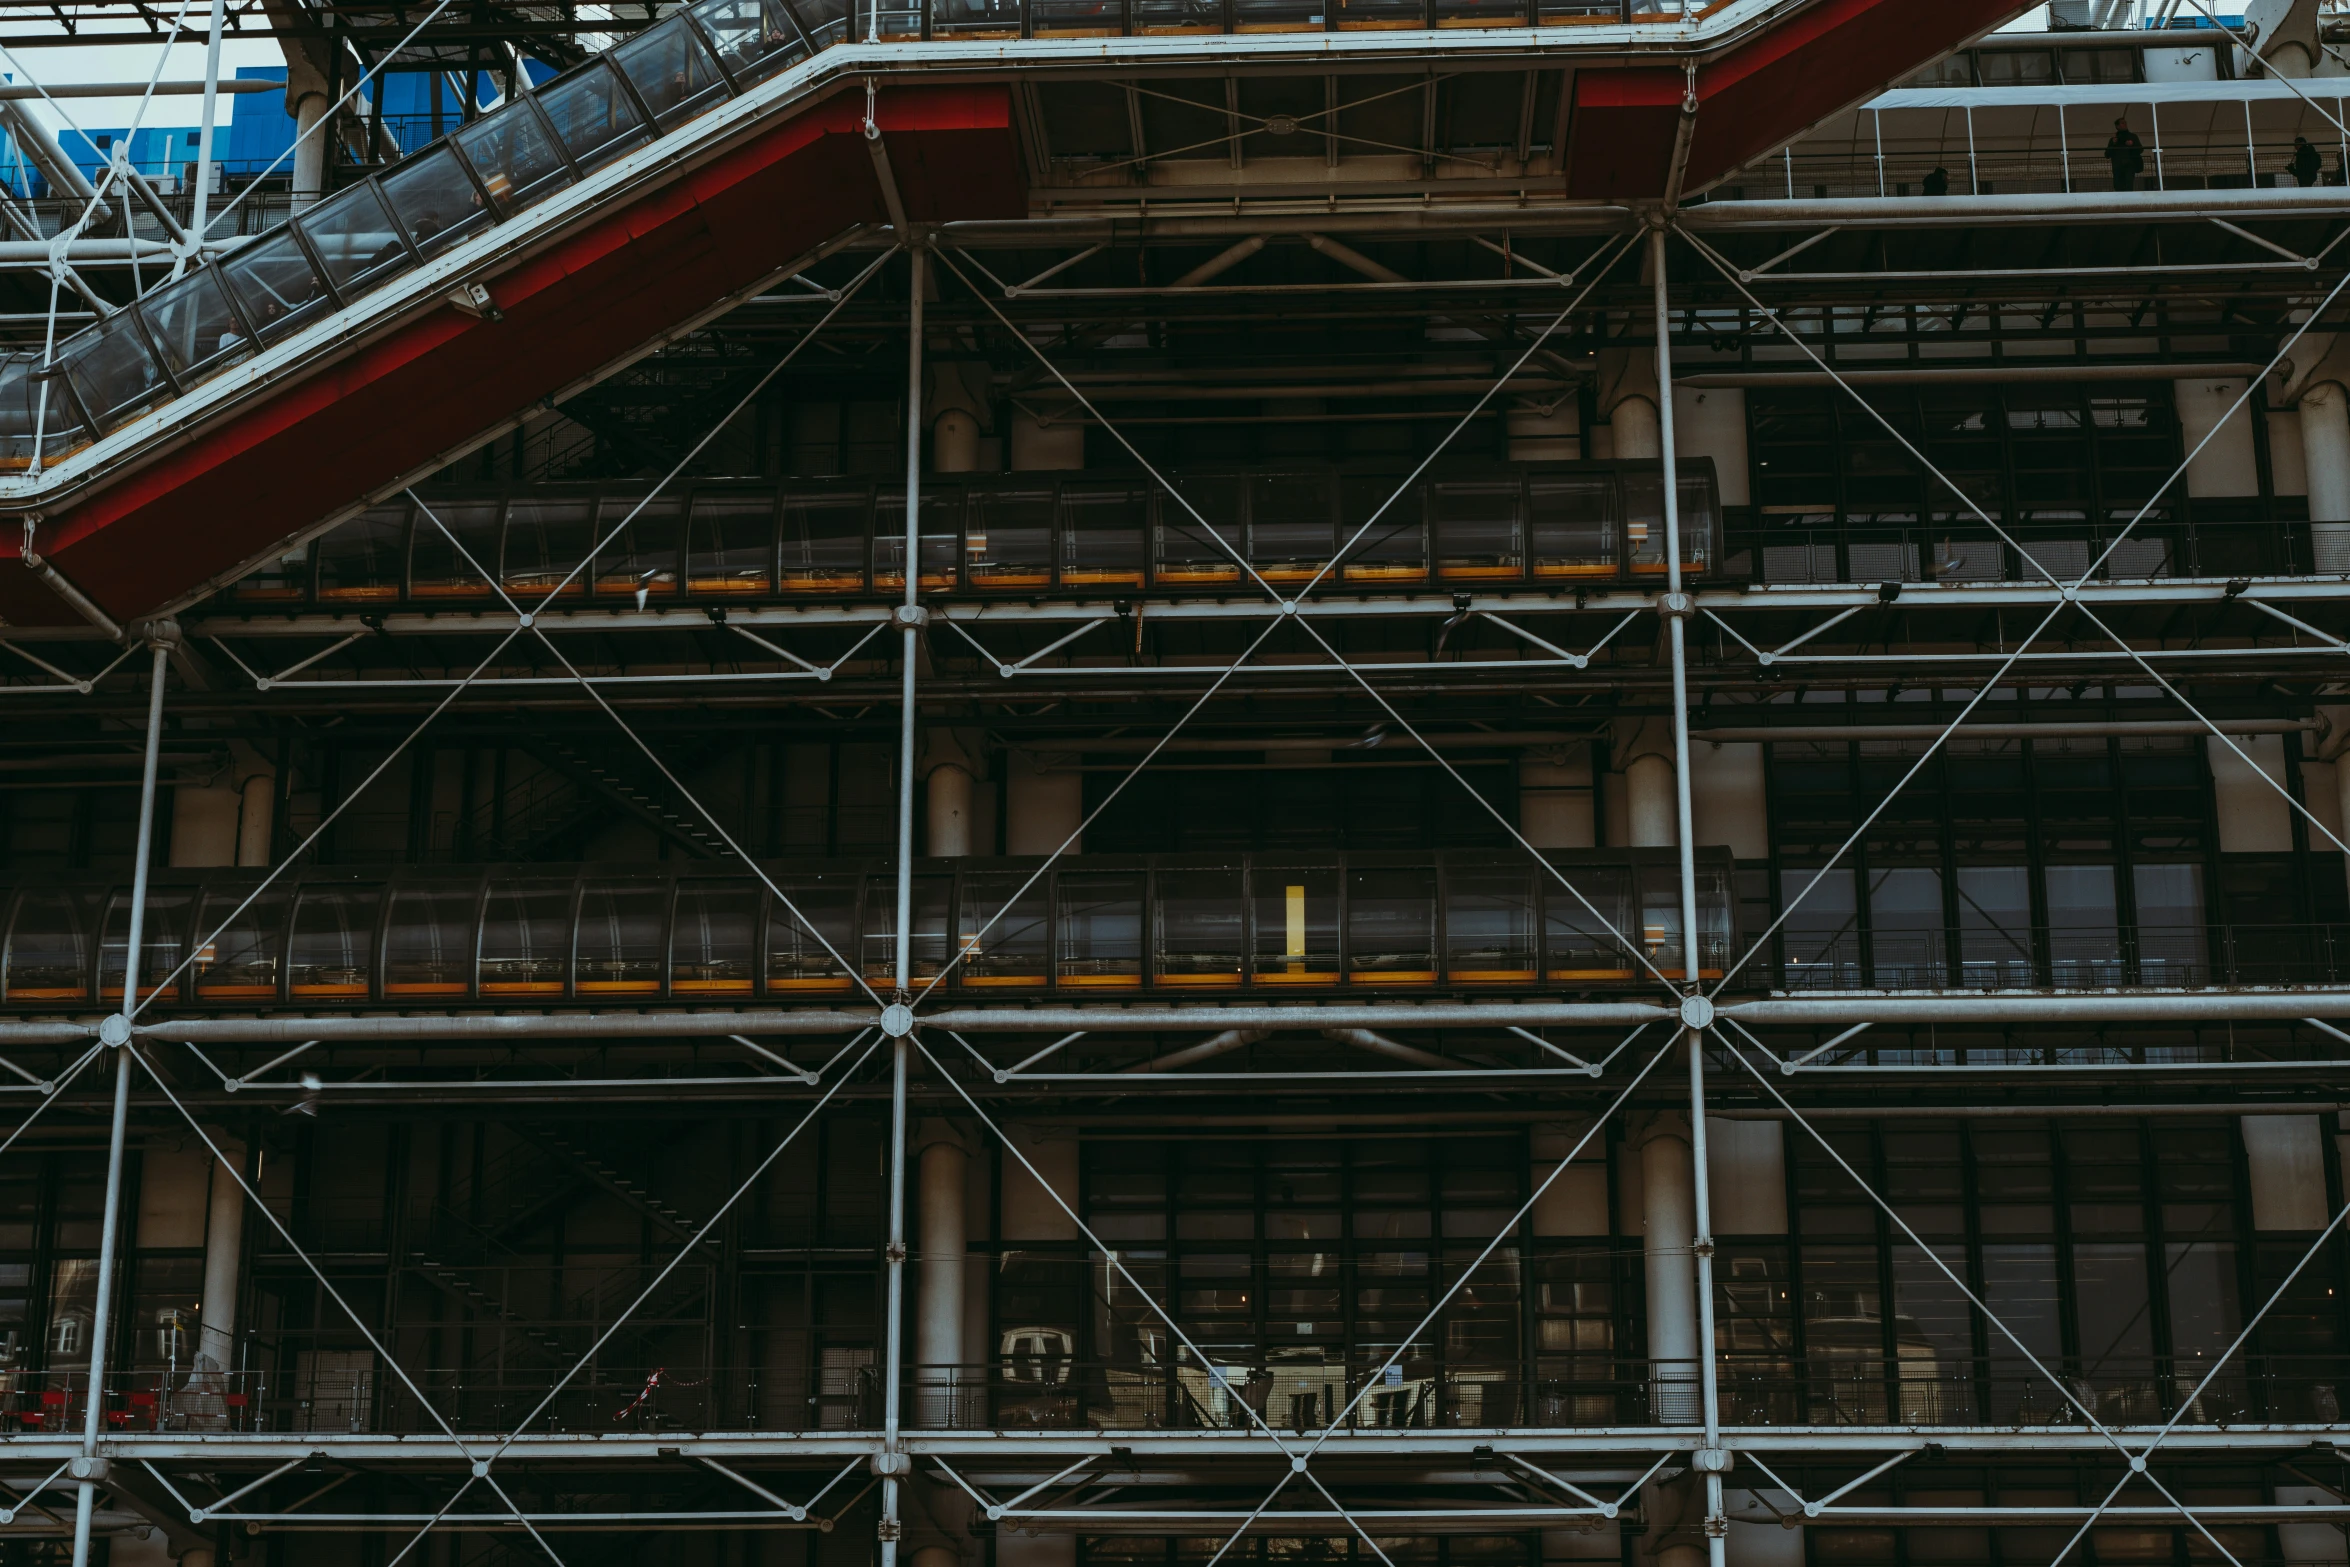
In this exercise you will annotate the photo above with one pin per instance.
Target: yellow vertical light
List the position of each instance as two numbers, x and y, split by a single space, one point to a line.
1295 898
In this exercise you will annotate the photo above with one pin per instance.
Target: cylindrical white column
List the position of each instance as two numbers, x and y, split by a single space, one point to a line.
255 818
309 150
2325 447
204 824
949 804
954 442
938 1324
1042 811
936 1556
1650 806
1635 424
224 1251
1669 1224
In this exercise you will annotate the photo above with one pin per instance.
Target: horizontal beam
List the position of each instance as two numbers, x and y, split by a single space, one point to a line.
2240 1006
978 613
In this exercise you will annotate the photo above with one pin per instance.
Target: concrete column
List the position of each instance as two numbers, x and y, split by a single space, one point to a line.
2224 466
1668 1218
1037 446
309 149
1535 436
1650 805
204 824
224 1251
1042 810
938 1324
948 801
1635 423
1554 799
2325 448
954 447
256 817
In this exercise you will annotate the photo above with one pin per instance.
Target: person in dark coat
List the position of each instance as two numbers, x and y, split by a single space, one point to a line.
2126 153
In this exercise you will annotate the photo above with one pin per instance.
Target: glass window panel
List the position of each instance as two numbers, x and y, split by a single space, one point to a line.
1574 525
1201 927
2171 932
620 947
797 959
1290 532
195 327
730 543
331 955
2020 1289
941 520
2117 1331
1660 921
437 565
1008 538
1296 912
1393 547
526 938
362 560
1101 534
2084 927
641 558
353 236
824 538
429 940
1934 1340
274 281
162 939
672 72
1489 925
238 957
113 371
715 938
1001 931
49 946
1821 934
1995 926
514 155
592 113
547 543
435 200
754 38
1480 528
1905 926
1391 926
1586 931
1100 936
30 400
928 944
1197 538
1844 1335
2206 1314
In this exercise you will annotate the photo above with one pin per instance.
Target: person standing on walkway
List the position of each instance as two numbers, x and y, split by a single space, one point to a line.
2126 153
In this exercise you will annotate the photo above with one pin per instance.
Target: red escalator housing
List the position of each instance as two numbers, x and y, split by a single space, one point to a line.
615 283
1757 96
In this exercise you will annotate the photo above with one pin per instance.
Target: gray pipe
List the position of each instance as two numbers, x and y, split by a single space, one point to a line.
1380 1044
1221 1044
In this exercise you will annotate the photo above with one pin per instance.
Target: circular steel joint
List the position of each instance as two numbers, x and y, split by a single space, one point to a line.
912 617
1711 1461
1697 1012
1297 1463
897 1020
116 1030
1675 606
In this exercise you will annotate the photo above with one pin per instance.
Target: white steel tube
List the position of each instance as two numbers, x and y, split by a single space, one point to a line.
203 197
920 271
893 1359
110 1222
1692 937
938 1326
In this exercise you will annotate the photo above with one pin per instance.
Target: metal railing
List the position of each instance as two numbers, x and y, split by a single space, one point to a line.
2066 957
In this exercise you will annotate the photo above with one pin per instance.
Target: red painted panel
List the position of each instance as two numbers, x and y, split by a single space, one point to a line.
1758 96
622 279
